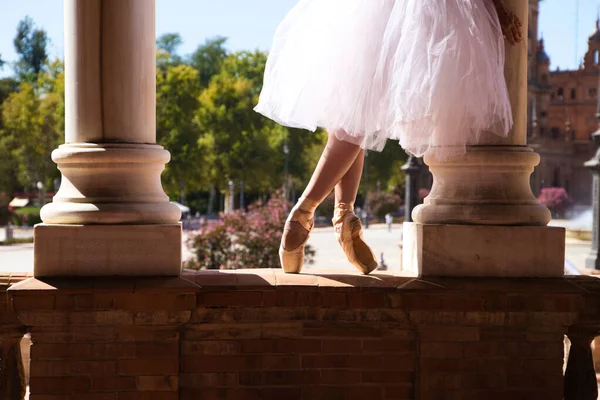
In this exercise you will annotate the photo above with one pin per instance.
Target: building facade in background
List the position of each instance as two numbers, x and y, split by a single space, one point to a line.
562 115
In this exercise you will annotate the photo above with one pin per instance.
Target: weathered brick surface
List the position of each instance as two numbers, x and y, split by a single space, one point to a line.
265 335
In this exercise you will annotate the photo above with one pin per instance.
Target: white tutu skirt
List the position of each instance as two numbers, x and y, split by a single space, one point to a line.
429 73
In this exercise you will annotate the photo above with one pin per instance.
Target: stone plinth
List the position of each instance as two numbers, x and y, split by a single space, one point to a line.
483 251
107 250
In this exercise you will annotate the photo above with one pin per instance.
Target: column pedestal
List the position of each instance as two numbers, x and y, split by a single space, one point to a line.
483 251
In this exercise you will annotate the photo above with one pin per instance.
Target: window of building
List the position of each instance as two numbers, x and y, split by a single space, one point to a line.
545 79
560 93
555 132
552 96
596 57
543 114
542 131
593 92
573 94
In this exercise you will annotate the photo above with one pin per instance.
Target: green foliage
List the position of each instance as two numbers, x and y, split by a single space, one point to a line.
177 94
30 44
208 58
33 124
29 216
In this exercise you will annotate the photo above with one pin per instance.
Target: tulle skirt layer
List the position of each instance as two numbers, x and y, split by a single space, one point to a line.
428 73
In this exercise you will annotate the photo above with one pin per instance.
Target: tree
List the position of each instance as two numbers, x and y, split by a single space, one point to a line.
166 54
169 43
238 138
2 62
177 94
208 58
33 120
31 46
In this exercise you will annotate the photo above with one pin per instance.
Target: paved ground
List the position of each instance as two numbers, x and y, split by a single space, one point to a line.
331 257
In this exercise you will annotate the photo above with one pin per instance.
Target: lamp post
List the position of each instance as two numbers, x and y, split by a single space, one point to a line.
286 153
231 196
41 194
412 169
242 202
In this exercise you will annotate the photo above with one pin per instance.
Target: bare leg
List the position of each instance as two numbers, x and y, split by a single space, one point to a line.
347 189
347 225
337 159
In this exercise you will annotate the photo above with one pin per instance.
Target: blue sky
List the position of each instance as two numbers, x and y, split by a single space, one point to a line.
251 24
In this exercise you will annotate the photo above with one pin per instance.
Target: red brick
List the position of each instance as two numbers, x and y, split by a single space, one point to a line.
209 347
145 334
398 392
367 300
95 396
220 394
49 351
396 362
223 331
348 392
154 301
157 350
391 377
231 298
287 393
273 330
150 366
441 381
433 333
340 361
342 346
162 317
336 314
72 367
220 364
37 302
47 385
339 330
333 299
339 376
388 346
113 383
280 346
148 396
157 383
208 379
484 381
444 349
281 362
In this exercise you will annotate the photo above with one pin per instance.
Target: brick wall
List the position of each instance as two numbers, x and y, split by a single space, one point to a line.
265 335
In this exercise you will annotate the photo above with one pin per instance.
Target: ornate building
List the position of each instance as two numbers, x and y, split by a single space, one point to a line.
562 115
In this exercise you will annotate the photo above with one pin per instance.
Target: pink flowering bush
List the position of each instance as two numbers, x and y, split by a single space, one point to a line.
381 204
556 200
244 239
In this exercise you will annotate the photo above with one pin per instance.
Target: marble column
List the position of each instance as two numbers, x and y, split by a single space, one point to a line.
481 217
110 215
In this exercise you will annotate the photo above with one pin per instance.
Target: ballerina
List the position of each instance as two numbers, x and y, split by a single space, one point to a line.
428 73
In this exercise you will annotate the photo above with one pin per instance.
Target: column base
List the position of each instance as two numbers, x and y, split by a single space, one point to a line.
107 250
483 251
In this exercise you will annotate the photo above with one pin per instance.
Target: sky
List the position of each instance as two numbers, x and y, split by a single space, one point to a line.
249 25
